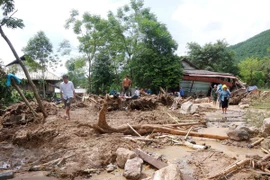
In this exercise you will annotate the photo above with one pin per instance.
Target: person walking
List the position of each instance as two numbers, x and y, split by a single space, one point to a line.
224 97
67 92
214 95
182 92
126 85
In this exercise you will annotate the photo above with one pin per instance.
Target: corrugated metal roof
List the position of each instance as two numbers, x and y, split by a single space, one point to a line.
38 75
204 73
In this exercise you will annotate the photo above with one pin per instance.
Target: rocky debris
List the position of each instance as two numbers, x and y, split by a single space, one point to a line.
266 126
265 94
110 168
123 155
20 114
243 106
194 109
237 96
133 168
171 172
201 100
191 108
6 175
239 134
144 103
185 108
266 144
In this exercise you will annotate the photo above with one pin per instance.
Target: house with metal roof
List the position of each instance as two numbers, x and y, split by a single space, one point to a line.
50 78
200 81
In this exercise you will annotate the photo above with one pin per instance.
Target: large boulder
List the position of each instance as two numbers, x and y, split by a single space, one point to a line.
171 172
185 108
266 126
123 155
239 134
194 109
133 168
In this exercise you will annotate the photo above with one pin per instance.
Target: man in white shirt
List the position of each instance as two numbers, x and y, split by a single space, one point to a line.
67 92
136 94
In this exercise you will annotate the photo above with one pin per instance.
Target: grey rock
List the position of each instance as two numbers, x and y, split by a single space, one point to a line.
238 134
185 107
123 155
110 168
171 172
133 168
6 175
266 126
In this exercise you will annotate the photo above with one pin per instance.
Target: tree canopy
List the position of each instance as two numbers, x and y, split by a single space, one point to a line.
131 42
212 56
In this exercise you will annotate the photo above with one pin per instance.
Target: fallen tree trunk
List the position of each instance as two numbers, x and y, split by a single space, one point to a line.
103 127
231 169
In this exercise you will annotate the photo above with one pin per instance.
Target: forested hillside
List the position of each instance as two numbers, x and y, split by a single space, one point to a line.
257 46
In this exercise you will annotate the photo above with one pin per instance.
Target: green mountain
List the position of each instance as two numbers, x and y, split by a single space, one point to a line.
257 46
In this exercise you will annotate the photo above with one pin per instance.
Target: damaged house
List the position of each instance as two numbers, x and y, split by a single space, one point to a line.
200 81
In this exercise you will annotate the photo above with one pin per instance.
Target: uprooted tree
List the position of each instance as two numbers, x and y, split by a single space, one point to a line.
8 8
103 127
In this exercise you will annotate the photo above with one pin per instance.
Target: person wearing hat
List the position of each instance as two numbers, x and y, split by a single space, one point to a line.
224 96
214 94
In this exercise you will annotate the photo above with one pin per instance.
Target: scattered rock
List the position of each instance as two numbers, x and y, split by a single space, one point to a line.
239 134
133 168
123 155
266 126
266 143
171 172
185 108
6 175
110 168
194 109
244 106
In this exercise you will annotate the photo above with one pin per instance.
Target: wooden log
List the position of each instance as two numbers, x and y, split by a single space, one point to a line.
188 133
158 128
265 151
231 168
134 130
142 139
255 143
150 160
186 124
265 158
190 145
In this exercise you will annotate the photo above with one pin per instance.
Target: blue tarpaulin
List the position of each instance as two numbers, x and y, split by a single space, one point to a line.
252 88
9 76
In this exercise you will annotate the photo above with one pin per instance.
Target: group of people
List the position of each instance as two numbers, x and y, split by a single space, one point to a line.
221 94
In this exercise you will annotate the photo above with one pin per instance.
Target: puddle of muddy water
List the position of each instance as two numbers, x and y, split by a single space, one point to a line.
40 175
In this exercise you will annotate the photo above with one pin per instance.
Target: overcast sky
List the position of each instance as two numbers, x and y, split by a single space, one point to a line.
199 21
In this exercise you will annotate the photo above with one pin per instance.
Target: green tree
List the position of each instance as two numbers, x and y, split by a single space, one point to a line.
249 69
9 21
103 75
76 71
91 32
40 50
212 56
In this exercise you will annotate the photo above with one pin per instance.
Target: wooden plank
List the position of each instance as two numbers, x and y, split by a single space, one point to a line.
206 79
150 160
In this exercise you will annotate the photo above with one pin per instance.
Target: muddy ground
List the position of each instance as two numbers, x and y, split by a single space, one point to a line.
67 150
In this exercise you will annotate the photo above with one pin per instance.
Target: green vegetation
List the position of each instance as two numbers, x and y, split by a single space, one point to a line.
256 47
212 56
129 42
255 72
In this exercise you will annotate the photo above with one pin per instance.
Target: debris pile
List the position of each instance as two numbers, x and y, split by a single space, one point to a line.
20 114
